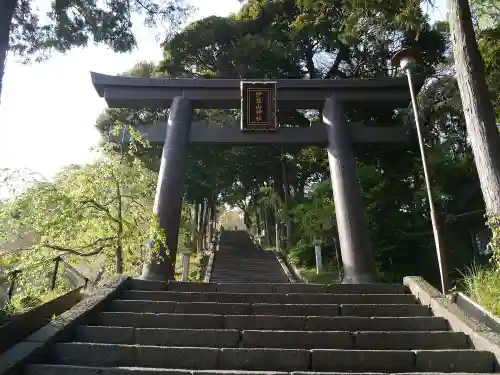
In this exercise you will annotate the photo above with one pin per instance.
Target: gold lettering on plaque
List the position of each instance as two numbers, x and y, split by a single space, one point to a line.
258 106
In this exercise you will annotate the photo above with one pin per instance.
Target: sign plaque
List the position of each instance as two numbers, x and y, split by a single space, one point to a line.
258 106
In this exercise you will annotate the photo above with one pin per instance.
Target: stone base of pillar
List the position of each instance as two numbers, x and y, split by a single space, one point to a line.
159 271
151 275
361 279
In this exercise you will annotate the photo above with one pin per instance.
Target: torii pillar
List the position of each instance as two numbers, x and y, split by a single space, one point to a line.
355 246
169 192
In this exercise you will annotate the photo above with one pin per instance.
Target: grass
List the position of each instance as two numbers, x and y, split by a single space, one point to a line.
483 286
194 267
22 302
329 275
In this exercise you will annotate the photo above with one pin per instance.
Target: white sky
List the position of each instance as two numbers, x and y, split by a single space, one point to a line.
48 110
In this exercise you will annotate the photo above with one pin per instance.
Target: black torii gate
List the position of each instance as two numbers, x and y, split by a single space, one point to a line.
183 95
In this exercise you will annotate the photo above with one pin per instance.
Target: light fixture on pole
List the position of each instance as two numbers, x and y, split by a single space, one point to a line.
406 59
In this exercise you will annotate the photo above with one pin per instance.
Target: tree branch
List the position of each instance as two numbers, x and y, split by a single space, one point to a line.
334 69
132 199
100 207
79 252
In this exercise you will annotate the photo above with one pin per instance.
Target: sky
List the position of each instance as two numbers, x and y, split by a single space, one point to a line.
48 110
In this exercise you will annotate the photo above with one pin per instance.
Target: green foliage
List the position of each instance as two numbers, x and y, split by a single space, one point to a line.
100 212
28 299
493 221
482 284
194 267
315 215
329 275
108 204
487 11
68 24
489 46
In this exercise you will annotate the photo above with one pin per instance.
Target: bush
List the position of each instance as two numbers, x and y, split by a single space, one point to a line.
482 284
493 223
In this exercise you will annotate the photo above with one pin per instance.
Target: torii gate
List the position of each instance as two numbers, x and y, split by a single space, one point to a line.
259 102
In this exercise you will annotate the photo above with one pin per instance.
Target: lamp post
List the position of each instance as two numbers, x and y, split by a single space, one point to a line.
407 59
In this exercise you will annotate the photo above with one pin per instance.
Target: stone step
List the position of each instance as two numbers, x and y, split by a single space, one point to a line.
235 280
136 284
222 308
269 264
215 338
267 322
289 298
257 272
247 263
245 259
257 269
91 354
257 275
147 306
246 256
231 279
222 338
46 369
249 278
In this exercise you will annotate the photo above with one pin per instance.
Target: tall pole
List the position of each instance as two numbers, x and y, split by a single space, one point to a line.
406 62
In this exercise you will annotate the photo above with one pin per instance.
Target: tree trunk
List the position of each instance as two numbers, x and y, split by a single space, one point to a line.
272 227
269 226
7 9
258 226
201 216
119 259
478 110
299 190
194 235
205 224
119 232
286 202
211 223
247 219
194 214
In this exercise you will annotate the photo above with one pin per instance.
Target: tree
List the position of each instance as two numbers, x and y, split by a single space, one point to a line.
76 23
478 110
102 211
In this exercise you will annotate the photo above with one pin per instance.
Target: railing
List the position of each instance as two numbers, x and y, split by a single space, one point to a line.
70 272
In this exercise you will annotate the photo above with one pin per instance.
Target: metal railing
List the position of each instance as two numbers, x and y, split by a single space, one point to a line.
70 273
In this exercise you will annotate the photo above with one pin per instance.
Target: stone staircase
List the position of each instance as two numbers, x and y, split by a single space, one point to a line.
240 260
181 328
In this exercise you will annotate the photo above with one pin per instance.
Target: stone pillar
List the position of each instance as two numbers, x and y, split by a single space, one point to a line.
355 247
318 256
185 267
170 190
186 254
